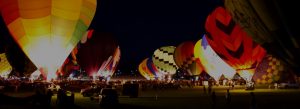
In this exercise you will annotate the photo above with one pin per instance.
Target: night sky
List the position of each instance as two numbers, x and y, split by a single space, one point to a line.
141 26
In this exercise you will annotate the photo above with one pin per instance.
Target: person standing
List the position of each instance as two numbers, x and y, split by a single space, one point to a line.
253 104
228 97
214 100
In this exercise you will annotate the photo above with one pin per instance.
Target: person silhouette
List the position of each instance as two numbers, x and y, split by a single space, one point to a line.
228 97
214 99
253 104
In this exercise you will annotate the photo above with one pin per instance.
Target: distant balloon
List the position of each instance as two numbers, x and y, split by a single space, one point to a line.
47 30
145 71
5 67
109 66
271 23
99 49
212 63
185 59
232 44
164 61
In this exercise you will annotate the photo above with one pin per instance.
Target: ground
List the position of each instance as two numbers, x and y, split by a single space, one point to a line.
192 98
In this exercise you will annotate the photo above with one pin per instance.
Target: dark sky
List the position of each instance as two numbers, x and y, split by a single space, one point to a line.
141 26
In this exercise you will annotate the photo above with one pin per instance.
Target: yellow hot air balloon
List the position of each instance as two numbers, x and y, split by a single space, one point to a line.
47 30
211 62
5 67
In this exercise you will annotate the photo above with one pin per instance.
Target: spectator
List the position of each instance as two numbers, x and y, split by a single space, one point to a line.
253 104
228 97
214 99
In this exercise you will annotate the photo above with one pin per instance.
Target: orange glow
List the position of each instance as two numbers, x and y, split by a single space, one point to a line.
47 30
246 73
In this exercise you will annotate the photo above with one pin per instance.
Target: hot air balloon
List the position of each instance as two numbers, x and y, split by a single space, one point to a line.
164 61
5 67
97 50
211 62
233 44
185 59
271 23
272 70
47 30
145 71
109 66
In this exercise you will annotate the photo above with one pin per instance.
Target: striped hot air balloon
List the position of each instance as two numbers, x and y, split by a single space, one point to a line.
145 71
47 30
232 43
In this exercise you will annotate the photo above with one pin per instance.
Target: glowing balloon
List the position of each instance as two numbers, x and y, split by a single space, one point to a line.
47 30
232 44
5 67
272 70
164 61
185 59
211 62
98 51
144 70
273 24
109 66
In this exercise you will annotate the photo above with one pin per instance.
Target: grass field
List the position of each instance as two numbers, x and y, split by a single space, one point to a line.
193 98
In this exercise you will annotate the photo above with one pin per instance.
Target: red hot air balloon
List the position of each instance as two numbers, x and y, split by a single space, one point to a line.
184 57
232 43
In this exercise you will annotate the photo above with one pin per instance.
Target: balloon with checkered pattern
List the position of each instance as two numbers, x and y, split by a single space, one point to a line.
271 70
164 61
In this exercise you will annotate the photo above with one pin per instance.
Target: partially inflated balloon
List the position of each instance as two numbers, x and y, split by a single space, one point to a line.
109 66
232 43
47 30
164 61
99 49
211 62
185 58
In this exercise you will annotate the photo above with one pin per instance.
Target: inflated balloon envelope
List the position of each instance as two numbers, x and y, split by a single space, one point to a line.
232 43
47 30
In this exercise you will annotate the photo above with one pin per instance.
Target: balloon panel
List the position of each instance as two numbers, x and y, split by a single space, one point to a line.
5 67
185 59
211 62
